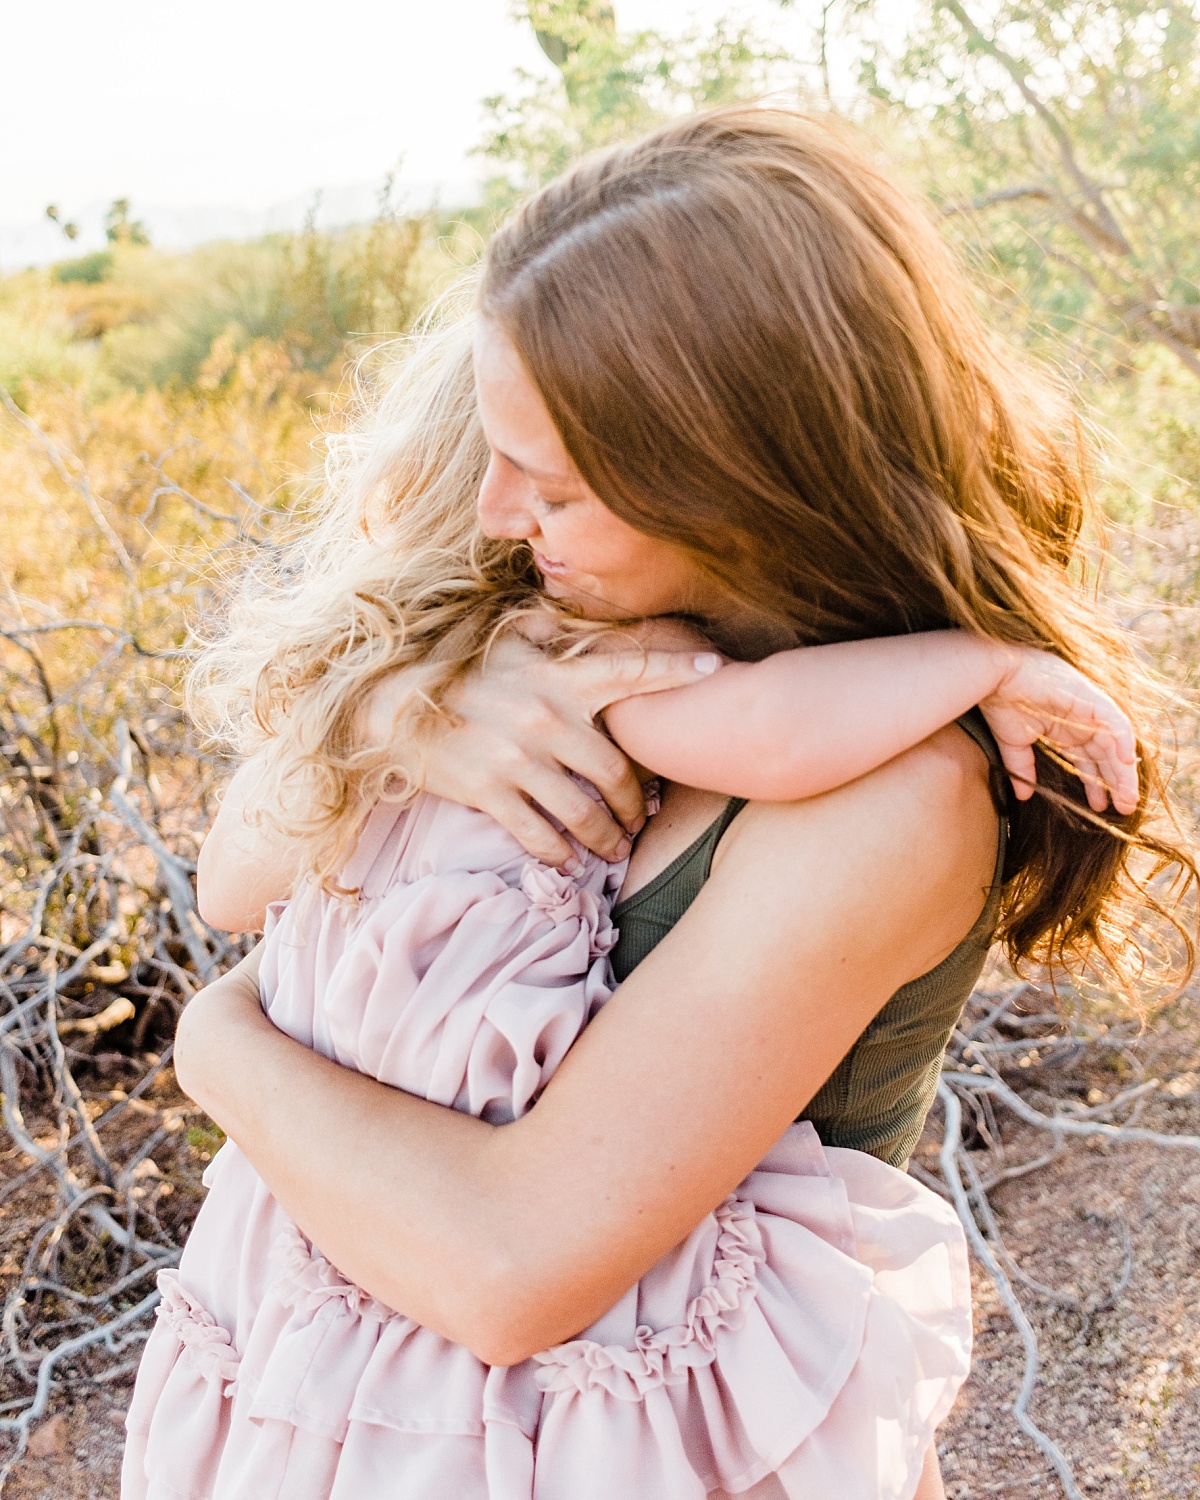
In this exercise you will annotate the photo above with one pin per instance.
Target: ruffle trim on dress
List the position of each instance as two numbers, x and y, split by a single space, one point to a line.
311 1283
667 1357
324 1354
204 1344
792 1354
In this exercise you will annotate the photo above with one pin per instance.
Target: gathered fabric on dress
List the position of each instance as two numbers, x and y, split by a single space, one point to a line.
804 1340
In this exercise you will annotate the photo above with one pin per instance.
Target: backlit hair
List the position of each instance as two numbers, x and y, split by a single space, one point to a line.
387 572
755 344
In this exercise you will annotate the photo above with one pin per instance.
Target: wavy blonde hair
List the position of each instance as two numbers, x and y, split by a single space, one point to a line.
388 572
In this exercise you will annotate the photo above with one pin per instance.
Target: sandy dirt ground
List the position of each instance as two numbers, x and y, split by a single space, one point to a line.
1119 1391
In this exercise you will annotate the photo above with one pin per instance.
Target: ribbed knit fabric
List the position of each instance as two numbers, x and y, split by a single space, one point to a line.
878 1098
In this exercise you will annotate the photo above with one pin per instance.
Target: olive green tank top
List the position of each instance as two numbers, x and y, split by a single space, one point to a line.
878 1098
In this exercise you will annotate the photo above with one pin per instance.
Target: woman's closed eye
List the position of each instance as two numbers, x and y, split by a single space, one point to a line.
548 505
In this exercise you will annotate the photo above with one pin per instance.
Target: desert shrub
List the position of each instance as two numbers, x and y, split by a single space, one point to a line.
87 268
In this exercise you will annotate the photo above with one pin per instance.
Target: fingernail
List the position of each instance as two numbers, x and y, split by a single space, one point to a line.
634 828
571 866
707 662
622 849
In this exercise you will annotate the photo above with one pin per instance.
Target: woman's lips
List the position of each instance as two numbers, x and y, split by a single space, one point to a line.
545 565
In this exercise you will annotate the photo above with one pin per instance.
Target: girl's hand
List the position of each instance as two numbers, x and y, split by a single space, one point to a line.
525 719
1042 697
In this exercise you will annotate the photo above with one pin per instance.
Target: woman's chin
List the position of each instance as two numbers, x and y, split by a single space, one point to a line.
580 593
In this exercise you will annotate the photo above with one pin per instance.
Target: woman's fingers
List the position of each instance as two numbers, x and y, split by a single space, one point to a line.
559 745
532 831
586 819
592 755
527 720
606 677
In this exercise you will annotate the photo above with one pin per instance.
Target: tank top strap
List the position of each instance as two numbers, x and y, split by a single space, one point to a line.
644 918
716 830
975 725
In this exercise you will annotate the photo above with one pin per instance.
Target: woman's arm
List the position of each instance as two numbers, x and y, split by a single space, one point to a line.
802 722
675 1091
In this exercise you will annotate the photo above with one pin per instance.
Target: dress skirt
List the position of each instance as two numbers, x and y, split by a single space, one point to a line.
802 1343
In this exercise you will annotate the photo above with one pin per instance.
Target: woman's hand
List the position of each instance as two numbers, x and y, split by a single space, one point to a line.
1043 698
516 726
525 719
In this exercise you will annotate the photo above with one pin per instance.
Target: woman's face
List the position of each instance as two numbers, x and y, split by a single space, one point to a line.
533 492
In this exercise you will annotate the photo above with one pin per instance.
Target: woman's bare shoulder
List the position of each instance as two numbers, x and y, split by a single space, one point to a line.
915 838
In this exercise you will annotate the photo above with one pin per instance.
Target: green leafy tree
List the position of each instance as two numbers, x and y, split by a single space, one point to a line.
1061 139
610 85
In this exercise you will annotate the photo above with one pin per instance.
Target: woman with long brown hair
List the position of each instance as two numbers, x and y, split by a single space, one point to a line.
728 373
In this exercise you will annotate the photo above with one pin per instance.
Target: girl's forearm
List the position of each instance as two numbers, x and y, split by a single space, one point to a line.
803 722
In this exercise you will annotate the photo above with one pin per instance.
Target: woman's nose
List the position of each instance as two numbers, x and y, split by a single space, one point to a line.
503 504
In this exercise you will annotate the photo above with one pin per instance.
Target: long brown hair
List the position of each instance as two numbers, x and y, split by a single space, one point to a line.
755 344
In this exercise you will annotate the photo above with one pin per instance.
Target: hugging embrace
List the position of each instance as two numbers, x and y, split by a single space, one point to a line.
684 680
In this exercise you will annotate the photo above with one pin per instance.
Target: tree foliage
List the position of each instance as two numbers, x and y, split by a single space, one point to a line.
120 228
610 85
1061 139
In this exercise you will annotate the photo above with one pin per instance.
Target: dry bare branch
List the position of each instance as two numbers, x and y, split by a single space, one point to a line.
950 1158
1101 228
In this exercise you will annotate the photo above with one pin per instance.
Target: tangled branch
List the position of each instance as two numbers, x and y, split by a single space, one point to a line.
104 794
991 1038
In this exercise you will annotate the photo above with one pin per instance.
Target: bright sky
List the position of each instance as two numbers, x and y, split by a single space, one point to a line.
245 104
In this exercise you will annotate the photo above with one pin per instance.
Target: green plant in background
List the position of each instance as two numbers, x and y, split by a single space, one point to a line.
1061 138
310 294
89 269
610 85
120 229
361 283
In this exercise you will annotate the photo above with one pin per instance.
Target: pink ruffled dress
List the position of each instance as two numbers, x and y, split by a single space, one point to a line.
803 1341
